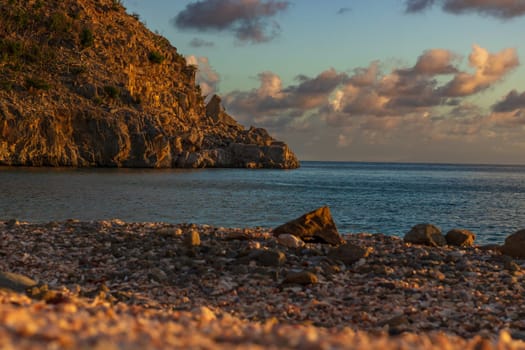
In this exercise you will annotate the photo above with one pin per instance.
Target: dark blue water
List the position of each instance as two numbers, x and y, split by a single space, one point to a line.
363 197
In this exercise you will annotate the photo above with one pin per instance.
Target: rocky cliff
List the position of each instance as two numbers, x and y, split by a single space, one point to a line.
82 83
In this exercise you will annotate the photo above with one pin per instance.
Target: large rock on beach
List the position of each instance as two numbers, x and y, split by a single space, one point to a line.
460 238
515 245
315 226
426 234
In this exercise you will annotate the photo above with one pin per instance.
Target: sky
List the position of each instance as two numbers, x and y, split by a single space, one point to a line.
438 81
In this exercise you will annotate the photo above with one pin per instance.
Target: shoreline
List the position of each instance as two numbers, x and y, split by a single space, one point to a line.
221 287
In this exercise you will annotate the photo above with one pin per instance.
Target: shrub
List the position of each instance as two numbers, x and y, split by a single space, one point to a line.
86 38
155 57
21 18
117 4
60 22
38 4
37 83
6 85
9 48
112 91
76 70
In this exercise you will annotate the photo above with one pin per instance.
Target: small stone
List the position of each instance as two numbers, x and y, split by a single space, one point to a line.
53 297
169 232
460 238
426 234
12 223
511 266
440 276
206 315
158 275
518 334
192 239
491 247
52 225
290 241
349 253
16 282
515 245
301 277
394 322
265 257
236 236
271 257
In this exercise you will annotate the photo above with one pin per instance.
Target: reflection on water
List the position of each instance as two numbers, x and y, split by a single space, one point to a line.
371 197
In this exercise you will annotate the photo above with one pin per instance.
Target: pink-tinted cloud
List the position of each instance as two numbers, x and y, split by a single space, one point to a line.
370 92
249 20
436 62
490 68
503 9
270 101
207 78
425 103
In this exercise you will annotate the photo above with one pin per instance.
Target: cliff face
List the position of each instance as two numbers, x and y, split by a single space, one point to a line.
82 83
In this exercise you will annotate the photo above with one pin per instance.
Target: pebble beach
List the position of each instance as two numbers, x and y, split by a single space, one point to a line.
118 285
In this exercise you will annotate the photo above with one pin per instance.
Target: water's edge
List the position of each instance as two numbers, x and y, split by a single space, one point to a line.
364 197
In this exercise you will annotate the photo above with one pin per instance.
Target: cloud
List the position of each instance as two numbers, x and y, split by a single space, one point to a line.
375 107
490 68
249 20
344 10
273 104
197 42
436 62
513 101
418 5
206 77
503 9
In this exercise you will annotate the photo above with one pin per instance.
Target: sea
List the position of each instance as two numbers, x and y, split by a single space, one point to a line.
386 198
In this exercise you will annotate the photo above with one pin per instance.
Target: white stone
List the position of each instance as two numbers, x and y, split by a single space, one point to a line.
290 241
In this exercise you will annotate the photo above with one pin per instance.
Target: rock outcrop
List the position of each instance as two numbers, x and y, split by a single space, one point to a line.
82 83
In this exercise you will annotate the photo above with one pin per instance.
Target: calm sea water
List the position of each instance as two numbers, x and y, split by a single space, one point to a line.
363 197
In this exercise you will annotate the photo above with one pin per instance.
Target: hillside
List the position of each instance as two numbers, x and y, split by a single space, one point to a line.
82 83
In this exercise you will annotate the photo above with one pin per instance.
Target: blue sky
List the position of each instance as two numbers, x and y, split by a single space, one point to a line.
392 80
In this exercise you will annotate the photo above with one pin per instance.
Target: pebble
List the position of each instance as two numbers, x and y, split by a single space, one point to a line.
301 277
290 241
349 253
16 282
192 239
462 292
266 257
